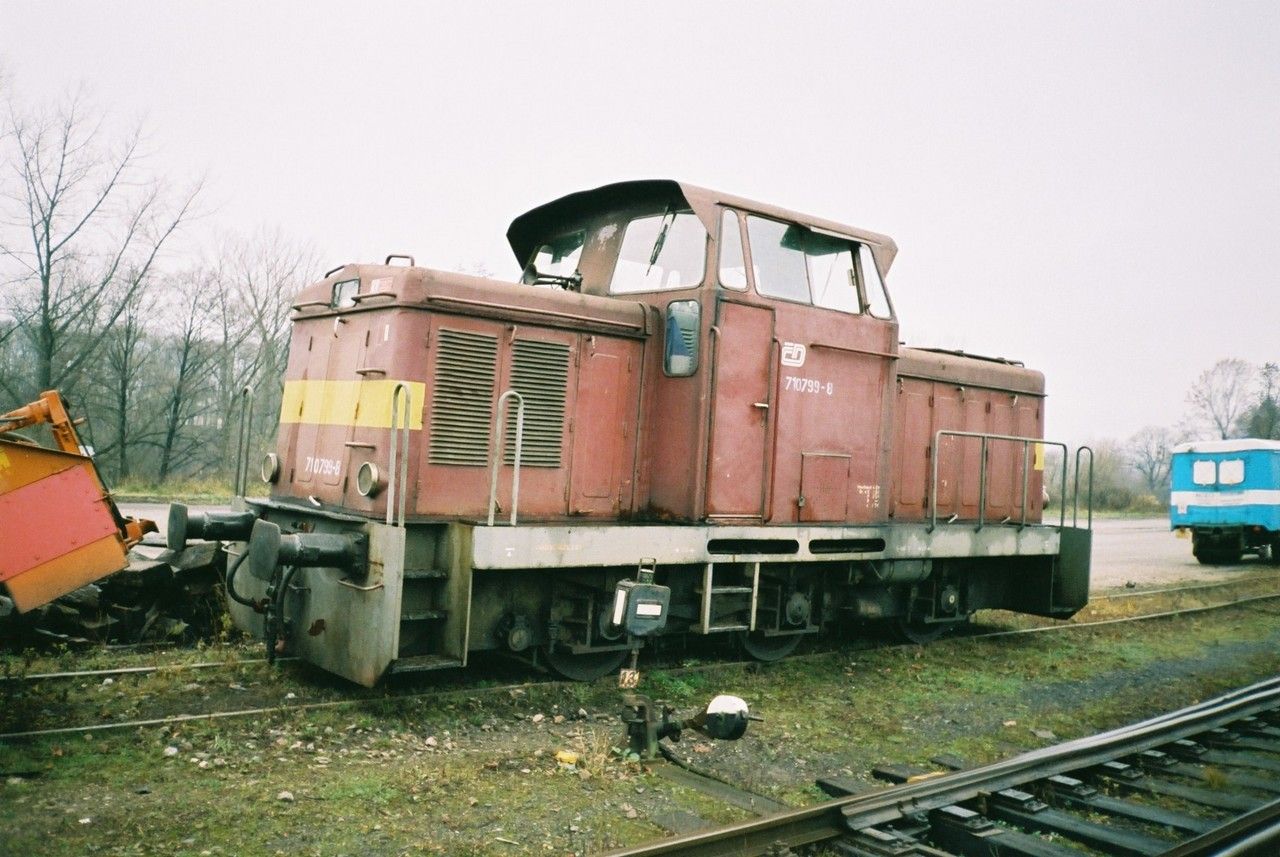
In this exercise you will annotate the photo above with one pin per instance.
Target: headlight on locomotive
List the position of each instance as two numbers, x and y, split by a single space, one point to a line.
270 468
369 480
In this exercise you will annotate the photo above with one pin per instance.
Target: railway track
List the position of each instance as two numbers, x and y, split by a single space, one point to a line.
1204 780
412 691
233 663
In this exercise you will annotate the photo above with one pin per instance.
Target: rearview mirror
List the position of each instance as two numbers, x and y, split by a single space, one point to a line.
680 350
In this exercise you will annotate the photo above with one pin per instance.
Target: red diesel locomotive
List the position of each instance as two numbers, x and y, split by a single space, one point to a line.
682 379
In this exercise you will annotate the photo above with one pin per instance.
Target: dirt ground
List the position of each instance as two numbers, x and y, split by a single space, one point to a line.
541 770
481 774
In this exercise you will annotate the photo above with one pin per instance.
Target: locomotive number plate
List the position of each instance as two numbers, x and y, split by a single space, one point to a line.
628 679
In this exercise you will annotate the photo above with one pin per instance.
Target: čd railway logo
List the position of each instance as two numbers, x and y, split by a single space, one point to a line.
792 354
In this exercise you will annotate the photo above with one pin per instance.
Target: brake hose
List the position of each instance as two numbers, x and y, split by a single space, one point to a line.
275 619
231 583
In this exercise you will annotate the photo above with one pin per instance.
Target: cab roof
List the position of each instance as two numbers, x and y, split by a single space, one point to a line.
530 228
1243 444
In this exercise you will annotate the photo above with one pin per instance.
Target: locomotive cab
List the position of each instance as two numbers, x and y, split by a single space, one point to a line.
777 346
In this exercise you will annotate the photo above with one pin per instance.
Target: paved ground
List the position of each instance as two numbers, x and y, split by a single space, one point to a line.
1145 552
1142 551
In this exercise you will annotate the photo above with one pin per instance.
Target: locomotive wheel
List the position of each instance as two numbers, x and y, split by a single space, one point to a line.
768 649
1218 556
922 632
588 666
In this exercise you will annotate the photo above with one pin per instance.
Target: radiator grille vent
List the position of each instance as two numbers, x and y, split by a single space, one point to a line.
539 373
462 398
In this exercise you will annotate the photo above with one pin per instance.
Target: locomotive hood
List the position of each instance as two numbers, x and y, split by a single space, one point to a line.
526 230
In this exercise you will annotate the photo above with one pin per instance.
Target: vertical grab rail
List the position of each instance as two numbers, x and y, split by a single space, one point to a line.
499 435
400 412
984 439
1075 491
983 462
240 482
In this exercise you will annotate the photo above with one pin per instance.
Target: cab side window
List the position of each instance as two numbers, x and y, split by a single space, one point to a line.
875 296
832 274
778 259
813 266
733 261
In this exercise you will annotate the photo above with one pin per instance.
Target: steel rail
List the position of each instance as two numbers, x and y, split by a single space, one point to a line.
834 818
141 670
1166 614
1137 593
1066 626
270 709
1239 837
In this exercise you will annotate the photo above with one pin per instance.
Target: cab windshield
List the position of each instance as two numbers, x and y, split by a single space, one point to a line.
659 252
555 263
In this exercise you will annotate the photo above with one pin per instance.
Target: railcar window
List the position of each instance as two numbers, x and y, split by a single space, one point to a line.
733 262
876 297
832 276
778 259
1204 472
1231 471
344 293
555 263
666 251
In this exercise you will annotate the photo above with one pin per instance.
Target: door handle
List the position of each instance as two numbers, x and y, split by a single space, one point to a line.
764 406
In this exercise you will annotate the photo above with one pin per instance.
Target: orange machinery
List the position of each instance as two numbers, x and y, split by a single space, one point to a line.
59 527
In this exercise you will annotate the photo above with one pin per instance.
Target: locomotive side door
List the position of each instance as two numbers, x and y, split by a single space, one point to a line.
741 397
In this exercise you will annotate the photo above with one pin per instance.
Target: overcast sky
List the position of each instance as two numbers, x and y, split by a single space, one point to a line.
1093 188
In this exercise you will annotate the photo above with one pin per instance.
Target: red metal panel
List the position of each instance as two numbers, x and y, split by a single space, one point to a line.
824 485
833 397
52 517
673 437
604 425
315 366
911 438
1027 414
975 420
735 477
1000 460
947 414
457 490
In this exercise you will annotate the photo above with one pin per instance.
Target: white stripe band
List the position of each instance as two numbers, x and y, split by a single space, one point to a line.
1250 497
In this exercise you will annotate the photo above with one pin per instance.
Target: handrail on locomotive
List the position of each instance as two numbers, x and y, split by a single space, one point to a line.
399 442
1027 442
499 443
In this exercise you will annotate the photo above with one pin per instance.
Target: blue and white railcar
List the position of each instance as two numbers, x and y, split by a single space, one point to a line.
1226 493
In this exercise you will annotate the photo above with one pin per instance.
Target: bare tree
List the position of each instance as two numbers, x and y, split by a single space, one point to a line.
1149 453
193 358
1220 395
81 228
254 286
128 352
1263 418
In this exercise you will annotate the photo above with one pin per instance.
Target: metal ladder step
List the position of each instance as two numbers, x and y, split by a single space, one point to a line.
708 592
423 615
726 590
423 663
425 574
